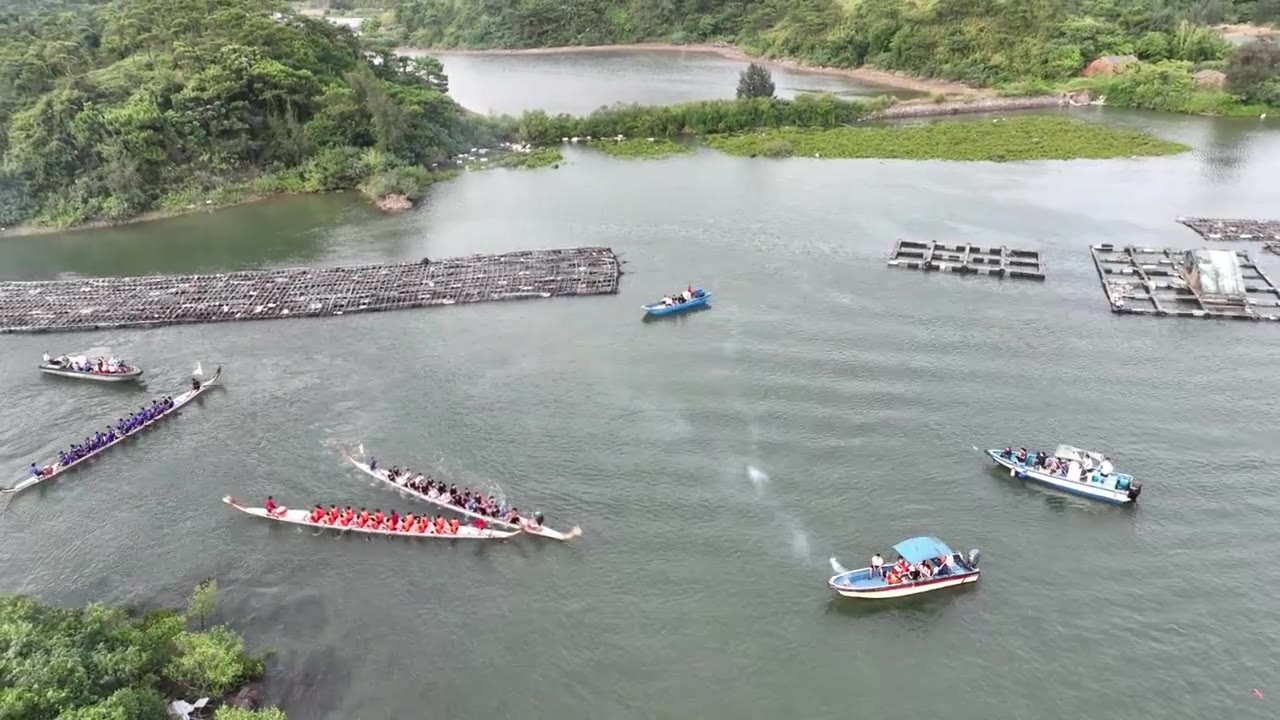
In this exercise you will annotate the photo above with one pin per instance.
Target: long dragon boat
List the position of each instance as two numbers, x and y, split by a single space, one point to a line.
526 525
303 518
55 468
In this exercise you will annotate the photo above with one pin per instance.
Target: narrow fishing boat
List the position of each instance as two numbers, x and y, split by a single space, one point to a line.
420 528
924 564
101 369
1069 469
116 434
685 301
424 489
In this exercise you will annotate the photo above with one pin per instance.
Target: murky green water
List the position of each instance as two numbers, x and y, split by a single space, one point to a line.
827 405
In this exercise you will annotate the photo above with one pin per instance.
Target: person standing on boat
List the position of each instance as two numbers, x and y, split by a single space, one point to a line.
877 565
373 463
688 294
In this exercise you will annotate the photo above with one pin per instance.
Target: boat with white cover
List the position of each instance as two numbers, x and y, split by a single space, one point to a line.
54 468
1072 470
83 367
945 568
529 527
303 518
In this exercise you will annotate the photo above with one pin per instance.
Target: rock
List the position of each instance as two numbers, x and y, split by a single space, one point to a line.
1108 64
248 697
1210 79
394 203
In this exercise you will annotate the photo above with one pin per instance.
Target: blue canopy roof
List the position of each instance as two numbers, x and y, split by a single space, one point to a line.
922 548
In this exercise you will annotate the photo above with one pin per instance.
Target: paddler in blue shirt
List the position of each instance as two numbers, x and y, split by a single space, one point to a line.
35 471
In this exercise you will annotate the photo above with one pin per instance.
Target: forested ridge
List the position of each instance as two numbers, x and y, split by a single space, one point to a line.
111 109
1032 43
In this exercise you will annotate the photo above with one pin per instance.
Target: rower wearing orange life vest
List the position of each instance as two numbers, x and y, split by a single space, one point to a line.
332 516
363 518
424 522
406 523
439 525
453 526
347 516
317 514
378 517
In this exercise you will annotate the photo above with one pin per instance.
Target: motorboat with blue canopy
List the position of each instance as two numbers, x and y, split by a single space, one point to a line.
1072 470
924 564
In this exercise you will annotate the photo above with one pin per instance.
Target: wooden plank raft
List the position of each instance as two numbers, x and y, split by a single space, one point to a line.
1152 281
1228 229
1000 262
154 300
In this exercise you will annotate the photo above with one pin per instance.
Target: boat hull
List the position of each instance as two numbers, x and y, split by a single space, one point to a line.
903 589
98 377
1073 487
658 309
545 532
302 518
178 402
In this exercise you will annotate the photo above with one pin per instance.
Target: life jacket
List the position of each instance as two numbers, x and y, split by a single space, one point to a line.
333 514
894 578
316 515
377 518
345 521
423 524
439 524
453 526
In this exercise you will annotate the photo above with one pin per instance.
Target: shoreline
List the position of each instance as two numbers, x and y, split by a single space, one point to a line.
866 73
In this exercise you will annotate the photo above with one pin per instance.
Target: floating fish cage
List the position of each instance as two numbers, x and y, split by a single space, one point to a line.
1185 283
97 303
1226 229
1001 261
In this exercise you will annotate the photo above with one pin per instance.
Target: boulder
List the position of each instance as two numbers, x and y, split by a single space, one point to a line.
1210 79
248 697
1108 64
394 203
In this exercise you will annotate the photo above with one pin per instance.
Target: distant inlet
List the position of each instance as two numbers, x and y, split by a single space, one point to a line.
155 300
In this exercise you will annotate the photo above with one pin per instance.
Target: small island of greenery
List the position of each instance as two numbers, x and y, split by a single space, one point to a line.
101 663
1004 139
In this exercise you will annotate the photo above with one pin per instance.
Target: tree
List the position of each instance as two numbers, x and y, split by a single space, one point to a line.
755 82
204 600
1253 71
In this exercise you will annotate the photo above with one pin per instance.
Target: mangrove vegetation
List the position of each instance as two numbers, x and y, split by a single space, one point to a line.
102 663
1022 45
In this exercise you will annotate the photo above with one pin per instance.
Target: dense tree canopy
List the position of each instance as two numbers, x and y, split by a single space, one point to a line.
983 42
134 104
98 663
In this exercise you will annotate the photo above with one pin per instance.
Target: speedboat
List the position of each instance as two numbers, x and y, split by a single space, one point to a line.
86 368
944 569
1070 469
677 304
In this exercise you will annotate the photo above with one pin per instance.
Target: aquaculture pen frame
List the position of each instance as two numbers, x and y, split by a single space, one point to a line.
154 300
1157 280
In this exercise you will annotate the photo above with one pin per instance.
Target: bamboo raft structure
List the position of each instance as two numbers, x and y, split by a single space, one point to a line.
1148 281
1000 262
156 300
1228 229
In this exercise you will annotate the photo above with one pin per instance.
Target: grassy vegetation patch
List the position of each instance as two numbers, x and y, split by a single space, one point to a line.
1004 139
641 148
533 159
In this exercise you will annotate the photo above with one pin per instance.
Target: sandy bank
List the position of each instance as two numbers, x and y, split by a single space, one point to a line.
866 73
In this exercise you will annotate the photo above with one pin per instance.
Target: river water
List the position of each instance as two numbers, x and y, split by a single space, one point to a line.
826 406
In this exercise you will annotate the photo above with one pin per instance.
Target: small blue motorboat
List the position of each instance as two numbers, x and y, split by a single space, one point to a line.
677 303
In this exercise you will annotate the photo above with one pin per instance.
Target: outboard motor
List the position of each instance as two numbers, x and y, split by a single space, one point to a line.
974 554
1135 489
